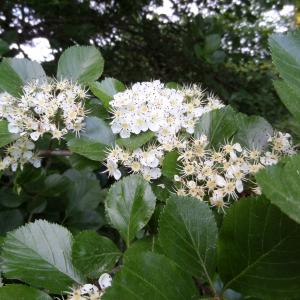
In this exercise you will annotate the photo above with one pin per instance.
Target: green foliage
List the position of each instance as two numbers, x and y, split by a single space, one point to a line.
22 292
170 166
94 254
44 248
135 141
129 206
259 251
5 136
188 236
10 81
142 277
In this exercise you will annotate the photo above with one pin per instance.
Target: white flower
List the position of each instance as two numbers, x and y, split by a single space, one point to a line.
105 281
88 289
113 170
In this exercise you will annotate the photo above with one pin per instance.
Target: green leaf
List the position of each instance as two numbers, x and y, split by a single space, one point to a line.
218 125
212 42
188 235
80 63
10 81
93 254
286 57
170 164
83 192
4 47
281 184
22 292
289 97
150 276
26 69
106 89
95 139
10 219
135 141
10 199
259 251
253 132
39 254
129 206
5 136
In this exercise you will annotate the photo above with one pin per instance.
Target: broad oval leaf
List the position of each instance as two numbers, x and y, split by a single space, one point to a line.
281 185
106 89
80 63
253 131
151 276
10 81
129 206
95 139
286 57
27 70
93 254
218 125
5 136
259 251
39 253
188 235
22 292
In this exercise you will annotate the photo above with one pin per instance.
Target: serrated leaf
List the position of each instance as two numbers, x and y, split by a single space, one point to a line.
281 185
39 254
188 235
135 141
26 69
286 57
151 276
289 97
93 254
129 206
10 81
80 63
106 89
253 132
218 125
259 253
95 139
170 164
22 292
5 136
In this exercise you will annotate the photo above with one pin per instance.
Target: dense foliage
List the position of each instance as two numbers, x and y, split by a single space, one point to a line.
211 211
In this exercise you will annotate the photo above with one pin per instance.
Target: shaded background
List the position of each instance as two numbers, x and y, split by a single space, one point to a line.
221 44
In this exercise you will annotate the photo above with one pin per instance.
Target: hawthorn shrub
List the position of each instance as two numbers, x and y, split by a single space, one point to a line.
151 191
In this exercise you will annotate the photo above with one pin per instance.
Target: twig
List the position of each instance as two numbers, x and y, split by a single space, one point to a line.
44 153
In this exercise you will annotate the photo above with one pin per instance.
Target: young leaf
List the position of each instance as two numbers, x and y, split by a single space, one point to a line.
259 251
106 89
26 69
218 125
281 185
22 292
93 142
188 236
5 136
39 254
286 57
135 141
93 254
129 206
80 63
149 276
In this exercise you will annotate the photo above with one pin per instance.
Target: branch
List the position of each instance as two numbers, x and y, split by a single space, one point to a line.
44 153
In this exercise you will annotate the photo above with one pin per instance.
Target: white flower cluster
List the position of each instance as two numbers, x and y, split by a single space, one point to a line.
20 153
91 291
152 106
55 108
220 176
145 162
